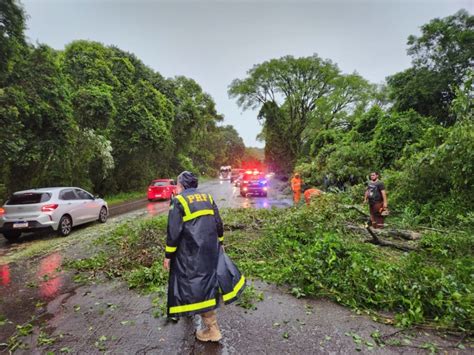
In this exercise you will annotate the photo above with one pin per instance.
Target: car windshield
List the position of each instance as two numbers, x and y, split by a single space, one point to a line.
160 183
249 177
28 198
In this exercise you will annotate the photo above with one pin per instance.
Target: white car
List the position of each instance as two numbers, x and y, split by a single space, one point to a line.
56 208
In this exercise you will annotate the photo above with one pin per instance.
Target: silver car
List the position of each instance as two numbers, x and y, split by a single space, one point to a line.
56 208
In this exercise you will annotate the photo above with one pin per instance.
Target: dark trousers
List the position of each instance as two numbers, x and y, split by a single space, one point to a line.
375 217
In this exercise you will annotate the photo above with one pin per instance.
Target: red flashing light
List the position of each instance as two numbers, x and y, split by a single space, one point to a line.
49 208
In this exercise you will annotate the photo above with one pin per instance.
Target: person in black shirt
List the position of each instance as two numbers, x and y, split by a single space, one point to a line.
376 196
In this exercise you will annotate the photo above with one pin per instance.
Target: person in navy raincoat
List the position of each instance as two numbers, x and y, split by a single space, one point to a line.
201 274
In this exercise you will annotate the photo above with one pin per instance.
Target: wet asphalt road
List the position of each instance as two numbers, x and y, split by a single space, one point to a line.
226 195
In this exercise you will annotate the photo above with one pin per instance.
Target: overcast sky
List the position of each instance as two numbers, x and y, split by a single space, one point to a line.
214 41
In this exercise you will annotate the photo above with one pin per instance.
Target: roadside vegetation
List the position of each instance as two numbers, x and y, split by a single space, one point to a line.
313 252
115 199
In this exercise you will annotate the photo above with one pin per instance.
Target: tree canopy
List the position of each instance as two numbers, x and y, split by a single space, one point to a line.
95 116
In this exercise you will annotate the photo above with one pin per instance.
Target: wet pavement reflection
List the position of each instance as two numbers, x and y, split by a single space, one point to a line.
49 276
4 275
155 208
227 195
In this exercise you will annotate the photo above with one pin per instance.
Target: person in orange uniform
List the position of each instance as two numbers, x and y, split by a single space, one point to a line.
296 184
310 193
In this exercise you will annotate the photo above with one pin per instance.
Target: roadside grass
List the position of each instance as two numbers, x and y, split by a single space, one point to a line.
124 197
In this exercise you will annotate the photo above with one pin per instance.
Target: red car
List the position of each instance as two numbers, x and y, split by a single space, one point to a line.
162 189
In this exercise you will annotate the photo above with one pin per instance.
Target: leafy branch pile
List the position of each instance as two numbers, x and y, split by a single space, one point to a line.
133 251
309 250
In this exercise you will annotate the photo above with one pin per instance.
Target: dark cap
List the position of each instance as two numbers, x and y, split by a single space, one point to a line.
188 180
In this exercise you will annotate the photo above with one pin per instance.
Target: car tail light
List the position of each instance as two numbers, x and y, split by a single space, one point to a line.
49 208
149 189
2 211
265 188
245 189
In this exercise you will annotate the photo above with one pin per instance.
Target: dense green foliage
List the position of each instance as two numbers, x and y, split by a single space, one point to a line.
309 250
417 129
97 117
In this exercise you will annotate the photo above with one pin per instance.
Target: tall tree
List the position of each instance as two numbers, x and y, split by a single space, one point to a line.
294 92
441 57
37 117
12 39
296 83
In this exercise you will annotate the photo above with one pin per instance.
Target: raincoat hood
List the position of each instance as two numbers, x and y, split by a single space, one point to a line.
188 180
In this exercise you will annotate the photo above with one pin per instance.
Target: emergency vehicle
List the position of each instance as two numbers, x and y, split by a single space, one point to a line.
254 183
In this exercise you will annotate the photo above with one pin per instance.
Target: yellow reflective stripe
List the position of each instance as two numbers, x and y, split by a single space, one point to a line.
237 287
193 306
197 214
169 249
185 205
187 212
210 199
221 239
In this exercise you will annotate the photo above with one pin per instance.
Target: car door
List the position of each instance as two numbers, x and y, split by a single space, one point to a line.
89 206
71 205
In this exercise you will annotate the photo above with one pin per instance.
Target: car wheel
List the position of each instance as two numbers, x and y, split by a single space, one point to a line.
150 200
103 215
12 236
65 226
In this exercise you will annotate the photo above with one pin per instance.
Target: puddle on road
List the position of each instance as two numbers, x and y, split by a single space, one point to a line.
156 208
49 276
47 282
5 275
38 282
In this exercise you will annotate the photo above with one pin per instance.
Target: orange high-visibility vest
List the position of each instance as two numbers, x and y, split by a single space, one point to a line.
296 184
308 194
